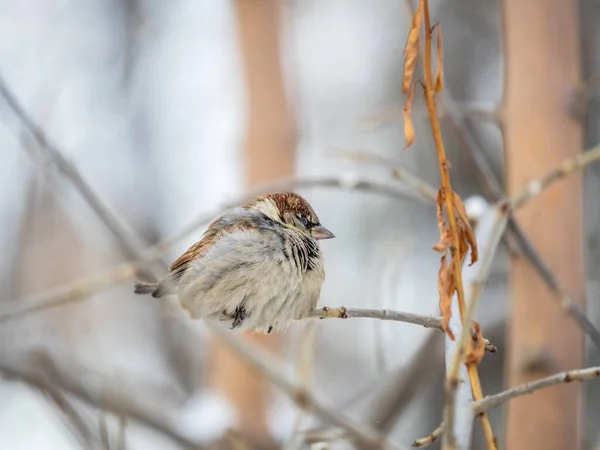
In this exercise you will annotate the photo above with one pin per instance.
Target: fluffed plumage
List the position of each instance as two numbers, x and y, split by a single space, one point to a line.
258 266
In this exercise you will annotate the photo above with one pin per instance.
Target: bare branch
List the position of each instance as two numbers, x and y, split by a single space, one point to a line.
393 401
425 191
267 365
349 181
71 292
431 438
564 298
492 401
343 312
489 231
80 427
523 242
567 167
48 371
128 241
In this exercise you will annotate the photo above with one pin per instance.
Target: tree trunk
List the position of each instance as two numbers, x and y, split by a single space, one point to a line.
269 151
542 68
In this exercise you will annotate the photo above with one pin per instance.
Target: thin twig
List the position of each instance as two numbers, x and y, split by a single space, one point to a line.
482 111
350 181
525 246
535 187
492 401
342 312
426 191
48 371
489 232
392 402
304 363
466 343
80 427
103 431
494 192
77 290
129 242
122 441
429 439
267 365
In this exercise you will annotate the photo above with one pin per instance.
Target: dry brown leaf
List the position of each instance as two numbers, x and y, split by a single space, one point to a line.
439 68
409 128
464 224
446 288
476 355
445 236
411 50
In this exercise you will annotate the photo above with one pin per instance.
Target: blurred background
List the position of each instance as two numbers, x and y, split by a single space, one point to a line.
171 110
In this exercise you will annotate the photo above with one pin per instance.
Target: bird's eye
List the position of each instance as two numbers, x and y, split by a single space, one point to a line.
303 220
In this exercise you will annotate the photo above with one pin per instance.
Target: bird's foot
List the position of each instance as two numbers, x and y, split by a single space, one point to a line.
270 329
238 317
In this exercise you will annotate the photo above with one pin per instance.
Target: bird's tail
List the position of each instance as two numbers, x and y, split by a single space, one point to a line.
142 287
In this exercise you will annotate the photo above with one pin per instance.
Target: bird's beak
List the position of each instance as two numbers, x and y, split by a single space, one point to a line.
320 232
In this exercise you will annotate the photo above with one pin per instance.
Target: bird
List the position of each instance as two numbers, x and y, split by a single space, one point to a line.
258 266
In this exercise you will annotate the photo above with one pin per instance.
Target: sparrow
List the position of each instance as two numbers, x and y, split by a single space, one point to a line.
258 266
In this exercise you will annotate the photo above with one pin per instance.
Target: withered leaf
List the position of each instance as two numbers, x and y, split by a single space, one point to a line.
411 49
468 236
477 353
409 128
446 288
439 68
445 236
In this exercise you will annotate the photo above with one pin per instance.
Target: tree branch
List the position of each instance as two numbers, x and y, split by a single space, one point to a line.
267 365
535 187
129 242
77 290
48 371
492 401
488 232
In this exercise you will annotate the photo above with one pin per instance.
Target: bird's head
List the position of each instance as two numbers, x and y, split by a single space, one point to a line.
292 211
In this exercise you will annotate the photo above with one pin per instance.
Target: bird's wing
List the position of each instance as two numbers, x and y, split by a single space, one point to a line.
209 238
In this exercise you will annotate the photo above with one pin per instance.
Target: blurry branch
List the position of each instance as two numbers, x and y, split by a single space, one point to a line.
304 368
494 192
81 429
487 112
267 365
567 167
429 439
489 232
492 401
393 401
426 191
128 241
122 442
582 95
84 288
533 189
71 292
454 237
48 371
348 182
103 431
